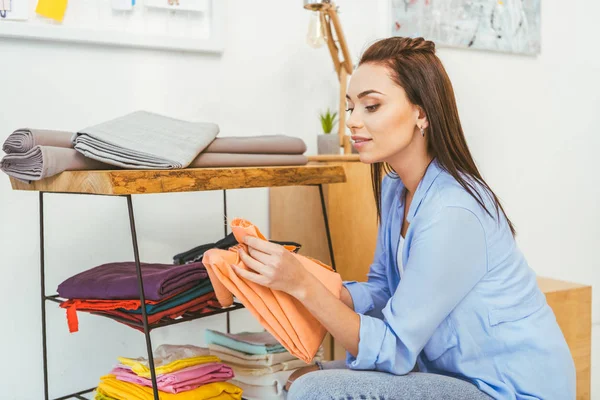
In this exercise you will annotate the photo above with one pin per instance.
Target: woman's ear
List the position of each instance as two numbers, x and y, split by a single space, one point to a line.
422 118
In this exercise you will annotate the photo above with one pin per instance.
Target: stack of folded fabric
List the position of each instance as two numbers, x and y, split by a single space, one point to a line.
261 365
142 140
196 254
112 290
182 373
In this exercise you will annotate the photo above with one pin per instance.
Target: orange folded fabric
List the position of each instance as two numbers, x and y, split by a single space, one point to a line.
281 314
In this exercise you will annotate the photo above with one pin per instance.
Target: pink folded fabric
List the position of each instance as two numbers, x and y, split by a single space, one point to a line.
179 381
267 144
279 313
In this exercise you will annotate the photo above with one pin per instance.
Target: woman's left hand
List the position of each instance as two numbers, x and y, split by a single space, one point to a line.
274 267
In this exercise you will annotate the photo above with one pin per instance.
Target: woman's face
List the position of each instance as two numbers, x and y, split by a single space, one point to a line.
382 121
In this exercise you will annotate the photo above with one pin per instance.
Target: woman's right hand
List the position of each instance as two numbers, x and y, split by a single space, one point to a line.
298 373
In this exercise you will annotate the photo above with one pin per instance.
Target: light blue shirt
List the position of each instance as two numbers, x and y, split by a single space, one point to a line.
468 304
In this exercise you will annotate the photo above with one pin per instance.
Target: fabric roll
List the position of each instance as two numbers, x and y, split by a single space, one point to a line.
279 313
118 280
145 140
111 386
179 381
247 342
44 161
222 160
25 139
266 144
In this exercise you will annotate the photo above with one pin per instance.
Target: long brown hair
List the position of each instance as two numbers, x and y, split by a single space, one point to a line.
417 69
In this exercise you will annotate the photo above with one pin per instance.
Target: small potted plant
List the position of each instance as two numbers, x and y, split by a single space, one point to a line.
326 142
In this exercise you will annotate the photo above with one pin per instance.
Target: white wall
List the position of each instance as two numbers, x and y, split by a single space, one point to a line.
529 121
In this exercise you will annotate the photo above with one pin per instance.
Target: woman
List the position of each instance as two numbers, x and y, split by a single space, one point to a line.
448 289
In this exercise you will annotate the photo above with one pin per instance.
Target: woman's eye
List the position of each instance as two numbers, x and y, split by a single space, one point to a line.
349 110
372 108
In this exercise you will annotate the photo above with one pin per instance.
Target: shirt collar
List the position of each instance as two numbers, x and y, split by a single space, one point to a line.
432 172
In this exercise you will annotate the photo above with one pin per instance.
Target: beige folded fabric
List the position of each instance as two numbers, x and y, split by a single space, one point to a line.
249 360
267 144
23 140
215 160
145 140
284 366
44 161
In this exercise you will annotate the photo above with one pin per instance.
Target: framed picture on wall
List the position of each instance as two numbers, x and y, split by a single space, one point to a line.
511 26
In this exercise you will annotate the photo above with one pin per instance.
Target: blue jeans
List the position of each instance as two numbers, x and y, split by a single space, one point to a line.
336 382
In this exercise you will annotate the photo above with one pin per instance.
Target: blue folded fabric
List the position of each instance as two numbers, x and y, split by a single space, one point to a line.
199 290
246 342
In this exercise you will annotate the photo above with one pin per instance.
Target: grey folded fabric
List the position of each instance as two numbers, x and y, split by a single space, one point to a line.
267 144
144 140
206 160
23 140
44 161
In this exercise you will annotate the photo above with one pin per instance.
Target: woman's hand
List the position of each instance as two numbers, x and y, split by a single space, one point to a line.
274 267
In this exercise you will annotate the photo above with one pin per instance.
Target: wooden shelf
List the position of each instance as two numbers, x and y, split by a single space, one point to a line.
334 157
126 182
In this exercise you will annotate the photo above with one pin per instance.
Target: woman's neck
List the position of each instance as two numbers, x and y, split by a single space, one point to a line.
411 168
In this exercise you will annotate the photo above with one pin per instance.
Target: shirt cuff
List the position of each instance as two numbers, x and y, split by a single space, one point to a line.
363 302
371 336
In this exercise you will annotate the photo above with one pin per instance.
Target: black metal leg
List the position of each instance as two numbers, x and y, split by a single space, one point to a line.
226 222
142 298
43 295
324 208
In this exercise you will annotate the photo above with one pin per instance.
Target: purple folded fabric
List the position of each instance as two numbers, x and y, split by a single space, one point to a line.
179 381
119 281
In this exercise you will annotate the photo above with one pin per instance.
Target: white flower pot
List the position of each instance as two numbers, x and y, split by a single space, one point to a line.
328 144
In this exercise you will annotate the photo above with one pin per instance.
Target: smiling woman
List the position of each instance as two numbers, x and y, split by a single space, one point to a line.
448 293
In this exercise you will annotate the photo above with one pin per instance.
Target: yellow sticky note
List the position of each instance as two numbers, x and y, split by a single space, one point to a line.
54 9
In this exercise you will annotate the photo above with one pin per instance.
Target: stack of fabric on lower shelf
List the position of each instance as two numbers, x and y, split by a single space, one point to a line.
182 373
261 365
142 140
112 290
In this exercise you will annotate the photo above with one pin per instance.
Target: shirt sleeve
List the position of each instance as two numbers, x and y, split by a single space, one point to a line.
447 258
371 296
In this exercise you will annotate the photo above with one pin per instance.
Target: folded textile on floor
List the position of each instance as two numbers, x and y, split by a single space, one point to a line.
264 388
144 140
196 254
279 313
247 342
179 381
195 298
44 161
169 358
111 386
221 160
118 280
25 139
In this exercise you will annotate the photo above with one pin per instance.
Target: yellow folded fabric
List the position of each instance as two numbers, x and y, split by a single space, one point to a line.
112 387
142 370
